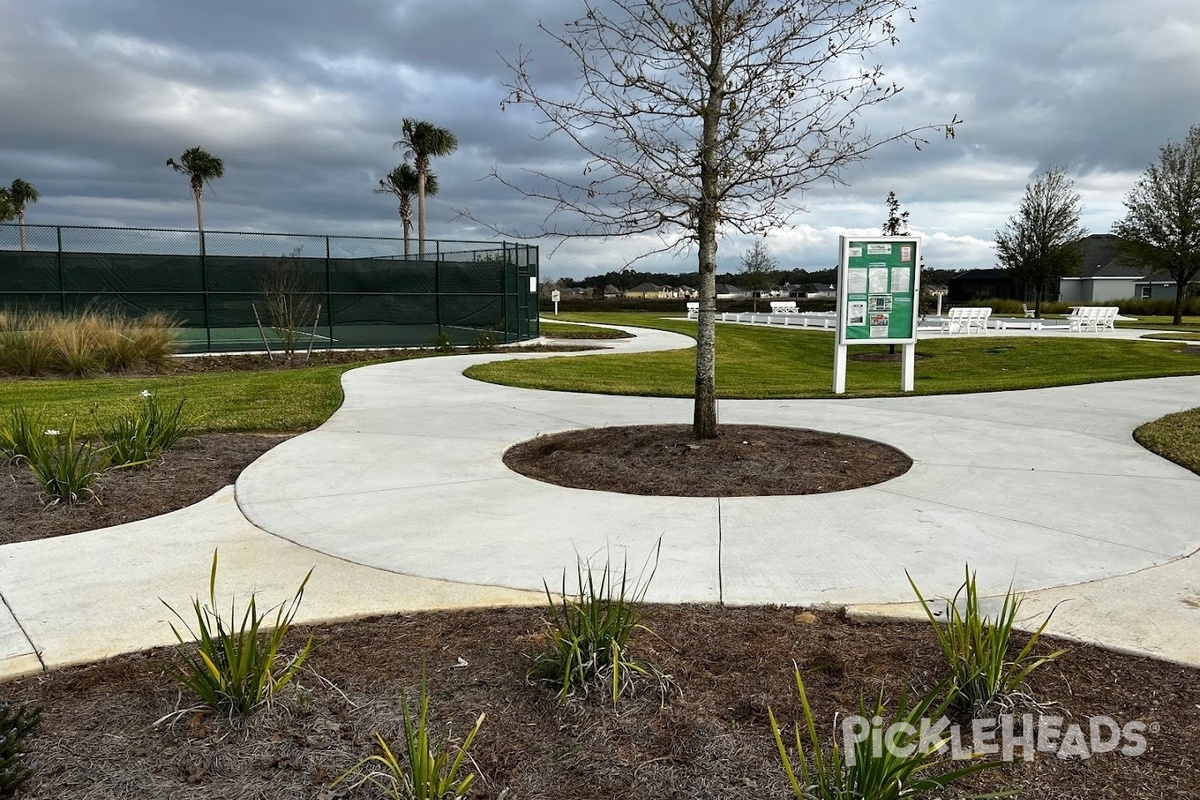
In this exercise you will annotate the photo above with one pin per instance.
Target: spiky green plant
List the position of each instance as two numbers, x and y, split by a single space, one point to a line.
896 768
65 466
976 648
590 630
141 435
236 669
17 724
20 433
429 773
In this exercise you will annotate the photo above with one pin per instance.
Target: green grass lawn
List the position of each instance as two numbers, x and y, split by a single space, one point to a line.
285 400
560 331
1184 336
1161 323
757 362
1175 437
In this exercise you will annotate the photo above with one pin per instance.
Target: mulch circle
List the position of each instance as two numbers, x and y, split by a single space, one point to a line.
743 461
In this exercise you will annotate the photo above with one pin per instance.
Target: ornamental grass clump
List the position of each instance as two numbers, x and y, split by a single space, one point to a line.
140 436
888 760
427 771
590 632
84 343
17 724
983 677
232 669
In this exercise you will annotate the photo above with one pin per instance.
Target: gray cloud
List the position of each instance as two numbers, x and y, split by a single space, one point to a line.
303 101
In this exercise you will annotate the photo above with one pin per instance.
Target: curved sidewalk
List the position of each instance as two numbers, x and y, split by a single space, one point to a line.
402 501
1040 489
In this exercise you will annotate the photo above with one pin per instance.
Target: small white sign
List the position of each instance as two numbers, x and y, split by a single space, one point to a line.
879 249
854 252
554 296
533 284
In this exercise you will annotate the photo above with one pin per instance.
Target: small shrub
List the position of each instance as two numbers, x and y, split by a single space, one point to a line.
485 343
140 436
234 670
982 677
442 343
65 467
871 771
17 724
590 632
429 774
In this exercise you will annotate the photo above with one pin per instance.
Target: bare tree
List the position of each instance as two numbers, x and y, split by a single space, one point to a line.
290 294
1161 228
1040 243
700 118
756 269
896 223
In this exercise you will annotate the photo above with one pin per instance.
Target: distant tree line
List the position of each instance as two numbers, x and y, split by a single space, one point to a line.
631 278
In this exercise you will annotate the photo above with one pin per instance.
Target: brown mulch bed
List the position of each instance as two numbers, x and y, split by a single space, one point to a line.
709 738
743 461
123 729
184 475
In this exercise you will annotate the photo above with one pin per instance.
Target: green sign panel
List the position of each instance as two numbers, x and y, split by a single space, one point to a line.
878 287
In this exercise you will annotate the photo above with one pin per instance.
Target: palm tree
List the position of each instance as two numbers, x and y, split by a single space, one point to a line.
423 141
7 211
403 182
19 195
201 167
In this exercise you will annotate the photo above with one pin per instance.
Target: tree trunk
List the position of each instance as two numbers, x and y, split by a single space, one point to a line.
407 237
704 423
21 225
421 214
1180 289
199 213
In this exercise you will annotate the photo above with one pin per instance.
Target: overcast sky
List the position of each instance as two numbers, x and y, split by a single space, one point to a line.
303 101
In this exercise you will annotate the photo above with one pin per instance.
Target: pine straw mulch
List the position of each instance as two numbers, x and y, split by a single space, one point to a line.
122 729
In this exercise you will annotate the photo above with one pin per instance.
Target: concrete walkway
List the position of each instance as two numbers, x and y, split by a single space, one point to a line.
401 502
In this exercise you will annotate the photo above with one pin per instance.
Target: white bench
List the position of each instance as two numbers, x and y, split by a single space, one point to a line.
966 320
693 310
1029 313
783 306
1092 318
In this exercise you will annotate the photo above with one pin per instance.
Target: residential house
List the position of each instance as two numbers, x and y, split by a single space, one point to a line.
727 292
645 290
1107 275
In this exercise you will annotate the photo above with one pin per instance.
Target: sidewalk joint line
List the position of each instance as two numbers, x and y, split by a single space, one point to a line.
720 557
25 633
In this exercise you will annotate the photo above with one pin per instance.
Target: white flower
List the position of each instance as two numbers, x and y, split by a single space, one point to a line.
52 432
145 392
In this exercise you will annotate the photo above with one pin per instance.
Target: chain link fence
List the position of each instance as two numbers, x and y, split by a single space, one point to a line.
245 291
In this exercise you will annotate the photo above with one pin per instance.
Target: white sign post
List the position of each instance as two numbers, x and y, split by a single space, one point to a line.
554 295
879 288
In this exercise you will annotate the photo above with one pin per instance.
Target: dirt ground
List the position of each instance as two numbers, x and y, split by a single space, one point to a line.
124 729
